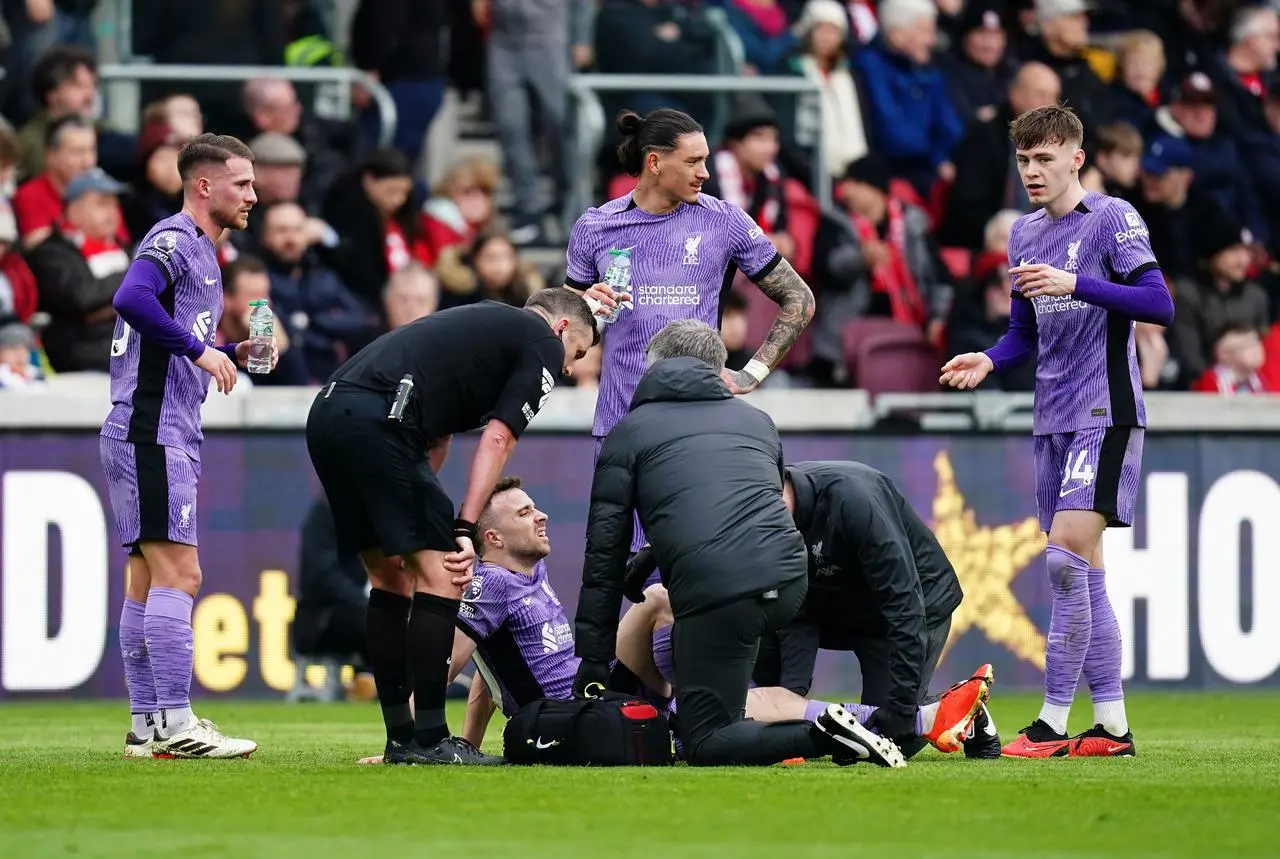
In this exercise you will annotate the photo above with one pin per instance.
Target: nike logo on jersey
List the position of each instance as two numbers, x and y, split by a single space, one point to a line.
1065 492
210 281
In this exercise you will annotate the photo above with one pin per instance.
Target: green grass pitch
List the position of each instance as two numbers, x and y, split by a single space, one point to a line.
1206 783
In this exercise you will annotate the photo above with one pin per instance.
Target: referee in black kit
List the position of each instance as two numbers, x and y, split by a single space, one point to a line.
704 471
379 431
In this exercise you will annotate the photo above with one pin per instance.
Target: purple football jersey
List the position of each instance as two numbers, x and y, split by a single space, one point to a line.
156 396
680 263
1087 365
524 642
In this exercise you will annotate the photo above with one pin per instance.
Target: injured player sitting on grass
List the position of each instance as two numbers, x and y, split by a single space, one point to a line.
513 623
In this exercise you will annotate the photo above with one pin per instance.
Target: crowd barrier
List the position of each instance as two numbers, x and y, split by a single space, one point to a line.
1195 582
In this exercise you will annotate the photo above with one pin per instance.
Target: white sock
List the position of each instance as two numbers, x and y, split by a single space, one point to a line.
928 715
1111 716
144 724
1055 716
175 721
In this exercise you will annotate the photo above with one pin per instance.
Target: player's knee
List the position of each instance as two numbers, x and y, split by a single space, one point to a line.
1065 571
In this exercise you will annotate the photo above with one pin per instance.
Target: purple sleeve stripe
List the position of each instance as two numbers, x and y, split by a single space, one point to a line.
1146 299
138 304
228 349
168 278
767 270
1017 345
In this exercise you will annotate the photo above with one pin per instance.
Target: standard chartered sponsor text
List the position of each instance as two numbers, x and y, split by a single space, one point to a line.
662 294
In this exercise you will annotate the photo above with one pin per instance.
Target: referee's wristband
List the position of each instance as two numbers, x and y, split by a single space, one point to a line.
463 528
757 370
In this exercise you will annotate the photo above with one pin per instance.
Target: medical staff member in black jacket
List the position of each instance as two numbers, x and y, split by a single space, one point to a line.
879 585
704 471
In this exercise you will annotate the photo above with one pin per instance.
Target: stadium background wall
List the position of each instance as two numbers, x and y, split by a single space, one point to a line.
1196 582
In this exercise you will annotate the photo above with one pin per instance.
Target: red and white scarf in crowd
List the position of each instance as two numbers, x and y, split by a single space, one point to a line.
104 257
893 277
733 189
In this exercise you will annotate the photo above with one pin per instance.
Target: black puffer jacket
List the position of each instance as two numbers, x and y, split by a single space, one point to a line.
876 570
704 471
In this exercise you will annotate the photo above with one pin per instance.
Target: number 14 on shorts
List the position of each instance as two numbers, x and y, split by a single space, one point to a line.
1077 468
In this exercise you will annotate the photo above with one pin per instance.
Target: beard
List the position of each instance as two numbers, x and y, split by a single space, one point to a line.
229 219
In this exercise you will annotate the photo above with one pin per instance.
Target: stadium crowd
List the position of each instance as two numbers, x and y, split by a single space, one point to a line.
1179 98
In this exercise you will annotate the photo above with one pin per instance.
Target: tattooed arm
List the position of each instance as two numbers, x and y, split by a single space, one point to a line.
795 311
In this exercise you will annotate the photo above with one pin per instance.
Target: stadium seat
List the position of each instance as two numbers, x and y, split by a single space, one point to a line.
860 330
888 363
803 216
959 261
761 311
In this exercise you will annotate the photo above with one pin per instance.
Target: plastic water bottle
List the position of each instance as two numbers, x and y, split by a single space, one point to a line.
262 338
618 278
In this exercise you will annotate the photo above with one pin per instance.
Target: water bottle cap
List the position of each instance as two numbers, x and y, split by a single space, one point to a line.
261 302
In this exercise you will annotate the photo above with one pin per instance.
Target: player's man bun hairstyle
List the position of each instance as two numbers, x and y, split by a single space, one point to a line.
210 149
1051 125
560 301
657 131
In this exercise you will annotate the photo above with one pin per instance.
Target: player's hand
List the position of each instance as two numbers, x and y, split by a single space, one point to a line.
461 564
603 299
639 568
893 725
591 680
242 354
217 364
1040 279
739 381
966 371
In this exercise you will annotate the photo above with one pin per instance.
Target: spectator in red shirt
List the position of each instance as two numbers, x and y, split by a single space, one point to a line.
460 208
71 149
17 284
78 268
1239 356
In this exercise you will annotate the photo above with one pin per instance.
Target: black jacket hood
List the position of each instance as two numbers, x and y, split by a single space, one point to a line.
680 380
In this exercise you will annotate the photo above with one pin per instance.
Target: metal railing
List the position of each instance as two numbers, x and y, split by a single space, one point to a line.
148 72
591 121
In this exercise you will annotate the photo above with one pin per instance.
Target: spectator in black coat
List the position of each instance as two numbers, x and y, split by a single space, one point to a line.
1140 66
1245 70
1219 172
986 173
329 324
1170 206
979 69
1063 36
1261 152
402 44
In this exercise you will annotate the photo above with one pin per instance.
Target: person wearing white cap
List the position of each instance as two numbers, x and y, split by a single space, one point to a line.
1064 35
823 30
913 122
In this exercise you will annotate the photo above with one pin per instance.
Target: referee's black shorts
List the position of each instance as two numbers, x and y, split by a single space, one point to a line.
380 487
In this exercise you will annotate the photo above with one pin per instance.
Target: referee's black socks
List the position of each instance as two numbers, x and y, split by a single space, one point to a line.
387 635
431 627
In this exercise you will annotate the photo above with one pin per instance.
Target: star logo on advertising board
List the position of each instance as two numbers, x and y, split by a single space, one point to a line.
987 559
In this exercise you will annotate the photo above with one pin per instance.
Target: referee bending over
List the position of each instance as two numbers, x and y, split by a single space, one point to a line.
378 433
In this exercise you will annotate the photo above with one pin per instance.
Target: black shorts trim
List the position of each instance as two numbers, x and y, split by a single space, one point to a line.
1106 488
152 468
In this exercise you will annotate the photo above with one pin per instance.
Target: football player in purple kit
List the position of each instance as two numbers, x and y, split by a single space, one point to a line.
513 623
1084 273
162 356
683 247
